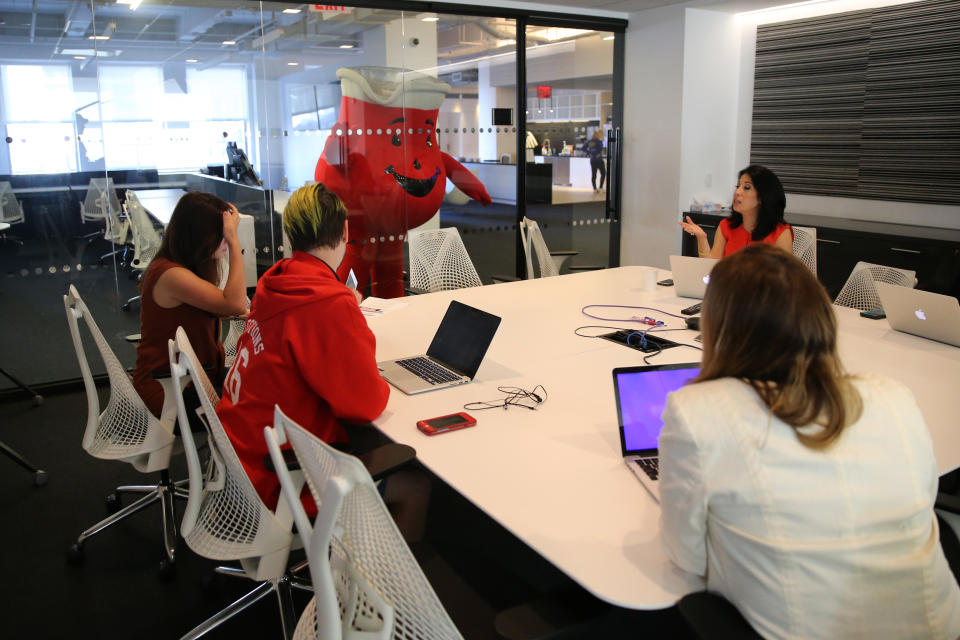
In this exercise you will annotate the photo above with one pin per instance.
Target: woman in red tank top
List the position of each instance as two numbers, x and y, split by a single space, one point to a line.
180 289
757 216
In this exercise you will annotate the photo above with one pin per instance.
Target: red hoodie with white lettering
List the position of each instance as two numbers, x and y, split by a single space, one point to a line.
306 347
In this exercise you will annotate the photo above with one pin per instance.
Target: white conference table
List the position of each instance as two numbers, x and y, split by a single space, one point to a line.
159 203
554 477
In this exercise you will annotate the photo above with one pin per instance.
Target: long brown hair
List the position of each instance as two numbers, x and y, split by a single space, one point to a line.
767 320
194 233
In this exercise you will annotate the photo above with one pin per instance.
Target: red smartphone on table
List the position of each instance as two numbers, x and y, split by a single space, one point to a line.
443 424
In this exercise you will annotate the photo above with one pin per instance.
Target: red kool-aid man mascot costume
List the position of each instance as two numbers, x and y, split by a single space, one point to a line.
384 161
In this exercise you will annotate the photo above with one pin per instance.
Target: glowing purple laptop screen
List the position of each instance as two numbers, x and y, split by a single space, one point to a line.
642 396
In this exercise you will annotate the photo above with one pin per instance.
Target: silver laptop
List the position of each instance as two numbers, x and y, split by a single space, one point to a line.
922 313
455 354
691 275
641 394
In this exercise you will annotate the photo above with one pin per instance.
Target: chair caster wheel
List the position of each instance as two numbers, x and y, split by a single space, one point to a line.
113 503
75 555
168 569
126 306
40 478
37 400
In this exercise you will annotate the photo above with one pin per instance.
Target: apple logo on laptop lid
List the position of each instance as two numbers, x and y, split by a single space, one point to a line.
706 279
920 314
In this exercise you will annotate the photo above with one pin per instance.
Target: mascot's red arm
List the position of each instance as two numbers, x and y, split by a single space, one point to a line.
465 181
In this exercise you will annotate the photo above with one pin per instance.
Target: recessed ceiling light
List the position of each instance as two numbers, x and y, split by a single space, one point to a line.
293 64
434 19
98 37
608 37
229 42
291 10
79 57
346 46
192 60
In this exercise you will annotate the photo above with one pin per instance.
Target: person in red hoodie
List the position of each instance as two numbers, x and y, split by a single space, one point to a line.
306 346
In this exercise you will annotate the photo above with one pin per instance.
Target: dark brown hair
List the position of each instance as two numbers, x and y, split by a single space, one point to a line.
767 320
772 199
194 233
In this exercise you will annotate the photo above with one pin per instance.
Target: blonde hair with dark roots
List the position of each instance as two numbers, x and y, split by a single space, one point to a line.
314 217
768 321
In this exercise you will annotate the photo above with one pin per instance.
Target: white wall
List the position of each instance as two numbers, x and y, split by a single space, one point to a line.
711 60
653 93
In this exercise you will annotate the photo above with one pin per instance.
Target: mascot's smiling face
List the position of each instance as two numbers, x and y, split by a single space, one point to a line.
401 152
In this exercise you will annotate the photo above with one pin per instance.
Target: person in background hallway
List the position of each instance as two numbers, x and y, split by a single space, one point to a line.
757 216
545 148
594 149
180 288
802 494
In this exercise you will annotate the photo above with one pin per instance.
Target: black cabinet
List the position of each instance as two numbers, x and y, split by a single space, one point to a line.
934 254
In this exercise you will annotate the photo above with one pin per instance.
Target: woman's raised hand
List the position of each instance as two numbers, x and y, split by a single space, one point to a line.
231 221
693 228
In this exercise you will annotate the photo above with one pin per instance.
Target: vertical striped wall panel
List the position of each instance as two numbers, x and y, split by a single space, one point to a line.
864 104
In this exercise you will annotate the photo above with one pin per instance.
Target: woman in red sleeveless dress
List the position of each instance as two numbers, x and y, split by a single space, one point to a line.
180 289
757 216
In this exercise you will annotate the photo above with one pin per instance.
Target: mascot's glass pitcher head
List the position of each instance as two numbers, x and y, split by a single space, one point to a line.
388 148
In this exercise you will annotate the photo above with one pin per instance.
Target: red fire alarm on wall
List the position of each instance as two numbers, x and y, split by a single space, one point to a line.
543 92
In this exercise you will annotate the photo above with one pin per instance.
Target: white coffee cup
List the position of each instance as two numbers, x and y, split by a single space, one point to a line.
648 279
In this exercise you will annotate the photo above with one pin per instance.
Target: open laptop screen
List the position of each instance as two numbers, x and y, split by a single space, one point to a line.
464 335
641 394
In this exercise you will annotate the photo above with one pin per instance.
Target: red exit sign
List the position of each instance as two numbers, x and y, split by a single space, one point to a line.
543 92
329 8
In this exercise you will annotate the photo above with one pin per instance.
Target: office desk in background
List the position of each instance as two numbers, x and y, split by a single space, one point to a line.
554 477
160 204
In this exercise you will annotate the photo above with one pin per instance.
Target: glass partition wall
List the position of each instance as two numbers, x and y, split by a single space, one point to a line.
571 181
413 117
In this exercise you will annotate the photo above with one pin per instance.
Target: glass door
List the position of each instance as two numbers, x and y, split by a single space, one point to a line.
572 134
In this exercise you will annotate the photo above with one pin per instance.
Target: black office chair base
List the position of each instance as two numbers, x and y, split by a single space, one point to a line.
39 475
282 587
164 492
37 398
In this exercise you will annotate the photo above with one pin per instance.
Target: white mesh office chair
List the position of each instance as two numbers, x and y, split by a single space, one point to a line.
100 200
440 262
367 584
125 431
11 213
805 246
225 518
549 262
235 327
102 205
146 239
860 292
10 210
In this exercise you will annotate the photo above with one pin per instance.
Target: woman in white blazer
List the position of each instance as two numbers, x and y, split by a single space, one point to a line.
801 494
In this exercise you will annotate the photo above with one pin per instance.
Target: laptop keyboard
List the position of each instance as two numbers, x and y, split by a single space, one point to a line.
428 370
650 466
